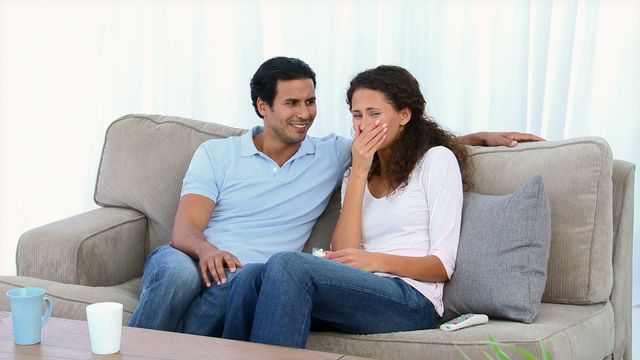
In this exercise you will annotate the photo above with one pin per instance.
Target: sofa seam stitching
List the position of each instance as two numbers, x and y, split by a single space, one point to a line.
134 116
559 331
585 141
95 233
500 150
62 297
593 233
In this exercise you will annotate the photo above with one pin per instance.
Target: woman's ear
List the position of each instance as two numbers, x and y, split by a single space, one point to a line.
405 116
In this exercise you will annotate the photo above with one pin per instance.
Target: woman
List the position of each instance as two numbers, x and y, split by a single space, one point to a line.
395 242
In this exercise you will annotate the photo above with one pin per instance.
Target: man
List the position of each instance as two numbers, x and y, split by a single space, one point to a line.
246 198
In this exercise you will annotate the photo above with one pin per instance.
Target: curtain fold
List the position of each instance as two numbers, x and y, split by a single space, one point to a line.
68 68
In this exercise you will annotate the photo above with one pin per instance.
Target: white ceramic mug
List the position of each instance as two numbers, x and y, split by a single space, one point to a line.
105 327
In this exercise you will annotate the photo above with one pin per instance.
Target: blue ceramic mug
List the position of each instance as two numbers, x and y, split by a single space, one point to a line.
26 311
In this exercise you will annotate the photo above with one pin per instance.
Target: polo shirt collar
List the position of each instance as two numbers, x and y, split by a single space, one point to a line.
248 148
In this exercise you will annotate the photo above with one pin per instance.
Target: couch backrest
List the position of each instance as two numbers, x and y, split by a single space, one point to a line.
145 158
577 179
143 162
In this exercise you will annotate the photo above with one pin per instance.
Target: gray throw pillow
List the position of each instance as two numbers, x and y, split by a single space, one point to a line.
501 268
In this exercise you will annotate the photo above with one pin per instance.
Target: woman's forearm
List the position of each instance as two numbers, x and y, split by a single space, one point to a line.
423 268
348 231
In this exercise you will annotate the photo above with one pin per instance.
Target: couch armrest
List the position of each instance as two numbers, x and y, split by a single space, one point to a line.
621 294
101 247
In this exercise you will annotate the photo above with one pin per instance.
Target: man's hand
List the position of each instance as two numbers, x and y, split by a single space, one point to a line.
357 258
509 139
212 261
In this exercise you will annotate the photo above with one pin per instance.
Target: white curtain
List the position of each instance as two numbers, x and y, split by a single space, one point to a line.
68 68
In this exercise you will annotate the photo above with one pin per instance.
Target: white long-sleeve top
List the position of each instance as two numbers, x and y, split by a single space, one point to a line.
420 219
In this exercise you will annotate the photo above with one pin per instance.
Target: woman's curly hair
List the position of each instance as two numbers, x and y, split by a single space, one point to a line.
419 135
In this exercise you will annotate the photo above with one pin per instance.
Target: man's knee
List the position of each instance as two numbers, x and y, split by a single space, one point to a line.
172 265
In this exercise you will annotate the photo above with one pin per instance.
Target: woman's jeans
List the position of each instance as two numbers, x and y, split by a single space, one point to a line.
174 297
296 289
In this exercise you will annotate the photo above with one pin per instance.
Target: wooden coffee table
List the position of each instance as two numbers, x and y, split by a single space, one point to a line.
69 339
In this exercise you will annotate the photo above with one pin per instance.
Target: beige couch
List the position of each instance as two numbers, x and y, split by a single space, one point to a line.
586 311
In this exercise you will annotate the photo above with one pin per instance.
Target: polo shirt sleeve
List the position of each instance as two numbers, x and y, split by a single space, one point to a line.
200 178
442 182
343 152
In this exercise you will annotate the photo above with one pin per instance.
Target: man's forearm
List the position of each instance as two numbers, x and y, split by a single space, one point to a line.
509 138
475 139
190 240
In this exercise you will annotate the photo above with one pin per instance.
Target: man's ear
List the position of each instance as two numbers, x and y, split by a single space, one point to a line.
262 106
405 116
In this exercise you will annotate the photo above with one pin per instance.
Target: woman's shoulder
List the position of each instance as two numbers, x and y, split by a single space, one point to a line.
437 160
440 156
438 151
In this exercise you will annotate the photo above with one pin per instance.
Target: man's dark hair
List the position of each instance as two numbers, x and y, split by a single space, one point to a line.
264 82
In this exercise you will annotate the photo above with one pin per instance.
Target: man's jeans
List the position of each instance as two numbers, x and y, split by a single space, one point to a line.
174 297
296 288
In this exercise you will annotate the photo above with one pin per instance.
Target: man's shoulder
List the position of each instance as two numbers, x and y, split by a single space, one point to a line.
226 144
332 141
328 137
218 153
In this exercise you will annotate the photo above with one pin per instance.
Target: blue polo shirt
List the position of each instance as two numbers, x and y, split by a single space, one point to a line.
261 208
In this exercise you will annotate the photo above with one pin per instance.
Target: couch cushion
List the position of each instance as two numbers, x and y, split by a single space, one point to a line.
577 180
69 301
143 162
501 268
568 331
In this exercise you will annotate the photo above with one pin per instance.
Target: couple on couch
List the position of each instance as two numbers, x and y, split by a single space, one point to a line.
248 203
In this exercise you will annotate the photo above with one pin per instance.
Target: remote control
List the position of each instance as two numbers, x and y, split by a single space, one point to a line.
464 321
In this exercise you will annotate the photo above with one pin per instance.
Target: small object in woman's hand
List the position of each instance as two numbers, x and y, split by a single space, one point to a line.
318 252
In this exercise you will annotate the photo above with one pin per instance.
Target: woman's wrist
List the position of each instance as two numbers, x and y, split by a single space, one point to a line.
358 174
381 263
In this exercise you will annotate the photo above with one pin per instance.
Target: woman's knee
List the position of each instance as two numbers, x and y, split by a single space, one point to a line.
288 263
286 259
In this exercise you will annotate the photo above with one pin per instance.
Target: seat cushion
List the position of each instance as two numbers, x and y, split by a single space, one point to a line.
69 301
568 331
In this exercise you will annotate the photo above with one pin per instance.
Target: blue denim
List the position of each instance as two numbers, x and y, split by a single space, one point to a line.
170 282
296 289
174 297
206 314
242 302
